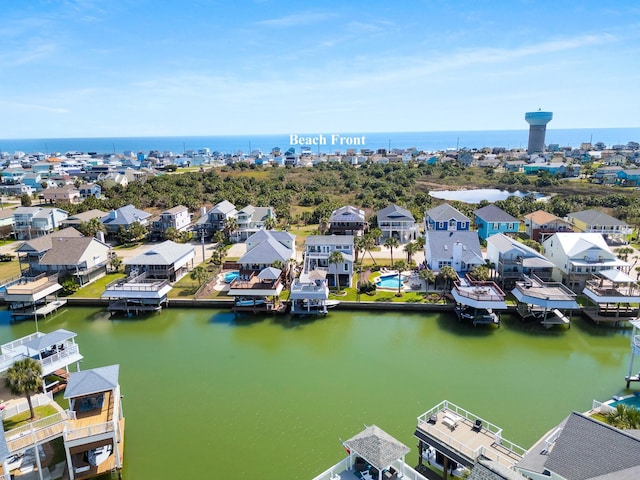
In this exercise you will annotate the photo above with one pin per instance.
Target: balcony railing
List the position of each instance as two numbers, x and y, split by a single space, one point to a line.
72 433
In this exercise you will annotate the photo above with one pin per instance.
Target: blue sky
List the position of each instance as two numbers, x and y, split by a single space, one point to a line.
85 68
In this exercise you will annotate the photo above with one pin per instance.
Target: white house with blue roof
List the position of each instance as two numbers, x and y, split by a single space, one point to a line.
169 260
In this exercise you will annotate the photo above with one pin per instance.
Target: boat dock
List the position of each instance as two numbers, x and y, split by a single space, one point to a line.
39 311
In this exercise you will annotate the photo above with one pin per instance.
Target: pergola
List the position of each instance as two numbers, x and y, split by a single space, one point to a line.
378 448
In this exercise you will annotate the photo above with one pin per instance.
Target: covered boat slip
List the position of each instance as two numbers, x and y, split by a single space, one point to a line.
34 296
548 302
615 294
137 294
464 437
635 351
475 301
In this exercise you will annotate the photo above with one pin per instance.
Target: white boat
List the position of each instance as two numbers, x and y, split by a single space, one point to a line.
14 461
250 302
98 455
331 303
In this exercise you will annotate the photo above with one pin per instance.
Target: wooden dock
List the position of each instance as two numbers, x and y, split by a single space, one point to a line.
38 312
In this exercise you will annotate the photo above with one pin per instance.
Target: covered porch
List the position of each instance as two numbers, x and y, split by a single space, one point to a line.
550 303
615 294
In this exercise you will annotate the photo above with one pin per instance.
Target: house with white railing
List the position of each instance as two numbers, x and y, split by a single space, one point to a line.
54 351
463 438
94 433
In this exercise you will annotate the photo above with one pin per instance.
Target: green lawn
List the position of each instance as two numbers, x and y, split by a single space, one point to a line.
96 289
23 418
9 269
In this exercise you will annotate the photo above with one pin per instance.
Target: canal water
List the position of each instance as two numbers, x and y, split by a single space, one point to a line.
207 396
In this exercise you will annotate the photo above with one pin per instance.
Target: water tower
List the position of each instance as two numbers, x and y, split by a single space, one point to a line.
538 127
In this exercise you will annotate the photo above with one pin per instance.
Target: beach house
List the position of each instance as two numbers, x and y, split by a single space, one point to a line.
318 249
540 225
447 218
595 221
491 220
458 249
397 222
577 256
348 220
511 259
31 222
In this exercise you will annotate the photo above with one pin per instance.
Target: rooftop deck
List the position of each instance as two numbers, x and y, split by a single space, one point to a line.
454 432
534 291
137 287
255 286
479 294
342 471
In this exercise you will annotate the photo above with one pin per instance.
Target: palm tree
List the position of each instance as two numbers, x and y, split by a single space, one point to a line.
24 377
428 276
270 223
400 265
481 273
230 226
115 262
199 273
420 241
411 248
368 243
448 274
358 247
491 266
391 243
334 259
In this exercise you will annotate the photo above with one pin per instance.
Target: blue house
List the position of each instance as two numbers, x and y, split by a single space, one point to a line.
446 218
491 220
628 178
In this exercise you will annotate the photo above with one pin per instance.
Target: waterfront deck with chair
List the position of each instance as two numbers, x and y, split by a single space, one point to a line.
464 437
547 302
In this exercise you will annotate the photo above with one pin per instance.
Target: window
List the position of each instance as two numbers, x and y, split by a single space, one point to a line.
346 267
496 226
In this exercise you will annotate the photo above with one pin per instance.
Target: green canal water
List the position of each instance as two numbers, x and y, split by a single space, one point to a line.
206 395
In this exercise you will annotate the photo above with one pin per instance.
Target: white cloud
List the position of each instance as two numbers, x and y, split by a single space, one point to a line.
296 19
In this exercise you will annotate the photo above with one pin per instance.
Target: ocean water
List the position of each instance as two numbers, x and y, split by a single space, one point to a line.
328 143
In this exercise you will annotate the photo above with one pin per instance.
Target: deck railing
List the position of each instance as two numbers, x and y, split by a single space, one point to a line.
72 433
36 432
423 422
69 350
330 473
601 407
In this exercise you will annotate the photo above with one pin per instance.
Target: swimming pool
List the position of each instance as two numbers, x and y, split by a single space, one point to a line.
632 401
231 276
390 281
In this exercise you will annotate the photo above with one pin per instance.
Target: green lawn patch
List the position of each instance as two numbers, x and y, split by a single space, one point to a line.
96 289
23 418
9 269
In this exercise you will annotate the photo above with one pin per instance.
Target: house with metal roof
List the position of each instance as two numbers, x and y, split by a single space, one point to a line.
94 433
595 221
318 249
124 217
348 220
540 225
491 220
577 256
397 222
167 261
511 259
629 177
447 218
583 448
266 247
458 249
